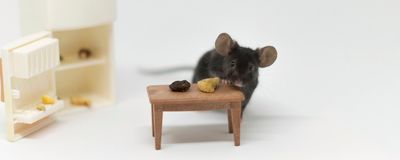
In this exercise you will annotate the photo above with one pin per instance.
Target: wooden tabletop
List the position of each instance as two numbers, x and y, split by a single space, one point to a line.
161 94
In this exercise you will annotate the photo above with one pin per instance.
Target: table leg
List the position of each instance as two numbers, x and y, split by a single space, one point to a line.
158 116
152 119
236 111
230 121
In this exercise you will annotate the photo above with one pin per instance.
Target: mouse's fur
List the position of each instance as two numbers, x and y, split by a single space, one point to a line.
234 64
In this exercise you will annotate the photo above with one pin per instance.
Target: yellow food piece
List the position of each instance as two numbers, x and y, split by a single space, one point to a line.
41 107
47 100
81 101
208 85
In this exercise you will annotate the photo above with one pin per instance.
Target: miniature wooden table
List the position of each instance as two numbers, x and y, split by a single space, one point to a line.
225 97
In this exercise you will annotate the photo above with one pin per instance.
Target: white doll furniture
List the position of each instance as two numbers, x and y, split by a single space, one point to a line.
46 61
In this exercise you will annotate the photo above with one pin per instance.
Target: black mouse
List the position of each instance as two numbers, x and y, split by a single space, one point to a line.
235 64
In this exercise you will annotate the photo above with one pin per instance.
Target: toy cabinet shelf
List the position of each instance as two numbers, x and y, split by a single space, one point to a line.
29 114
85 77
97 39
48 61
77 63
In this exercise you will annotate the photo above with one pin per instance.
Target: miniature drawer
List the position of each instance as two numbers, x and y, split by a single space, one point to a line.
73 14
35 58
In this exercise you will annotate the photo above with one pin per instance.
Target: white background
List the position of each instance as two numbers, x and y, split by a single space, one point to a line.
333 93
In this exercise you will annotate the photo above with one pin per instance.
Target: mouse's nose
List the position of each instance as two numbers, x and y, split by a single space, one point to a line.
235 75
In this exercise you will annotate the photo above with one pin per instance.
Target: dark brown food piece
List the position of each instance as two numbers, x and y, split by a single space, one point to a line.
84 53
180 86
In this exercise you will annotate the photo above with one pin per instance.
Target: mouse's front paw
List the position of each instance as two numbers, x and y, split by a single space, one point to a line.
224 82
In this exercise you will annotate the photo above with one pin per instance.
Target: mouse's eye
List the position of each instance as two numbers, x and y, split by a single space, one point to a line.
233 64
251 67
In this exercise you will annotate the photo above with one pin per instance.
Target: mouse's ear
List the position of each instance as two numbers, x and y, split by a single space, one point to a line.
267 56
224 44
